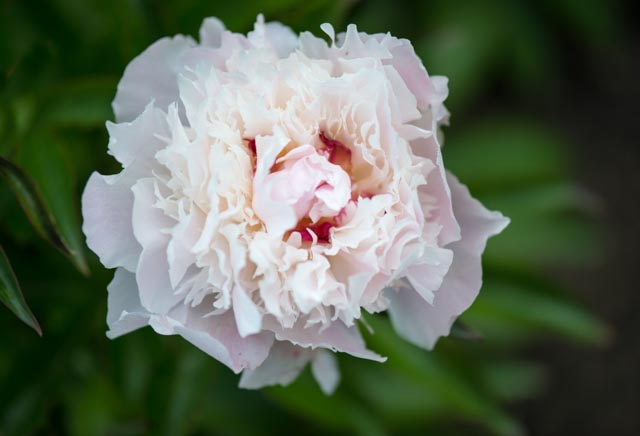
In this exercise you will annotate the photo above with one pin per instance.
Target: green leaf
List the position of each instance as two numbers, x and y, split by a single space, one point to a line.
510 310
33 205
339 411
393 394
550 225
432 373
460 330
510 380
11 295
48 161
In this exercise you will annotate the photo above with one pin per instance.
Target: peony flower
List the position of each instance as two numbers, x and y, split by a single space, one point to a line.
276 186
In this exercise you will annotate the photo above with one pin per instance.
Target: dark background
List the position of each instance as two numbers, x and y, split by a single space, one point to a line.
544 127
598 391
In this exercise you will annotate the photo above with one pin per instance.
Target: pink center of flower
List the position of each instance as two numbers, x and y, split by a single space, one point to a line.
321 230
304 190
252 146
336 152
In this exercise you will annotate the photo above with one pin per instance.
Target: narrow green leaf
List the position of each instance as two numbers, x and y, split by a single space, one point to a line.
49 161
432 373
462 331
392 394
510 310
339 411
32 204
550 225
11 295
511 380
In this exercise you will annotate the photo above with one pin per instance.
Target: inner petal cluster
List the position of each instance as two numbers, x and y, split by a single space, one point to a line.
308 189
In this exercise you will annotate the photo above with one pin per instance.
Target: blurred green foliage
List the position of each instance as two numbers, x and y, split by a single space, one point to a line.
60 61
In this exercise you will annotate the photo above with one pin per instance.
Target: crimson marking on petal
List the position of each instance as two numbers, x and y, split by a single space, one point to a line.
337 153
252 146
322 231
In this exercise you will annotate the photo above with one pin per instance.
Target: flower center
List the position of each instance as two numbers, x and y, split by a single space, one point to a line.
305 190
336 152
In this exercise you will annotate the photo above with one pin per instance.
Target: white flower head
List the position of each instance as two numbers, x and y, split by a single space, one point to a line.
274 186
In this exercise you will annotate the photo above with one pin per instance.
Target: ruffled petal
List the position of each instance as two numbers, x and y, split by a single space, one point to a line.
285 362
150 226
437 190
125 313
247 314
152 76
211 32
324 368
218 336
335 337
273 35
422 323
106 211
428 91
107 201
428 272
139 140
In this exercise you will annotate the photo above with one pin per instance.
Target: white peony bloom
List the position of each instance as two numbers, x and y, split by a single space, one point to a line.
273 187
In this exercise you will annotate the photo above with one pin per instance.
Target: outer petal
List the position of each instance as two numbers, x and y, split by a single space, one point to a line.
427 274
106 211
285 362
138 141
211 32
152 274
247 314
427 91
324 368
422 323
151 76
125 313
335 337
274 35
107 201
217 335
437 188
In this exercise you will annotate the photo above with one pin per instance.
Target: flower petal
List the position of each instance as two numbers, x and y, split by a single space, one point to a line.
422 323
285 362
437 188
335 337
217 335
149 228
139 140
106 210
274 35
107 201
211 32
248 316
125 313
324 368
428 272
152 76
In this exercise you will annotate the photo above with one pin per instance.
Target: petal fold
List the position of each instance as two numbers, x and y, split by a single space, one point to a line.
422 323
